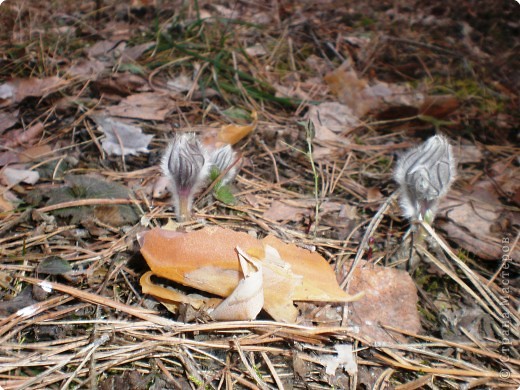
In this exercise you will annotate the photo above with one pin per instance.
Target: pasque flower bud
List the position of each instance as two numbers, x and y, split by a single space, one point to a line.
186 164
222 159
424 175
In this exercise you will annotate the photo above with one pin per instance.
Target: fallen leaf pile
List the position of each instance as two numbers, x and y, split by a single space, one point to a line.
207 260
247 271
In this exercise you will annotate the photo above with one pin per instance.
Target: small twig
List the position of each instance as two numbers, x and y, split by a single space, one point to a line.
497 312
91 348
248 367
271 155
147 315
274 374
85 202
374 223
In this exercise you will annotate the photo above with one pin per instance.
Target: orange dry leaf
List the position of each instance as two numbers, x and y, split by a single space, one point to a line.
231 134
207 260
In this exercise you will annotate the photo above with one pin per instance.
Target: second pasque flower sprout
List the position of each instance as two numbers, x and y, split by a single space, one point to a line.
424 175
223 159
186 164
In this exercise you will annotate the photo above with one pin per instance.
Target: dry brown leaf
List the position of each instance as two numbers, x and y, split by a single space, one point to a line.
363 98
173 255
390 299
345 84
439 106
120 84
279 211
18 137
122 138
5 205
86 68
116 51
181 83
146 106
8 201
319 280
9 157
374 194
330 119
8 120
206 260
16 90
231 134
34 152
474 225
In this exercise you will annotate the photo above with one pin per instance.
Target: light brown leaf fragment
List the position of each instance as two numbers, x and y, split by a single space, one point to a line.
86 68
318 278
362 97
472 224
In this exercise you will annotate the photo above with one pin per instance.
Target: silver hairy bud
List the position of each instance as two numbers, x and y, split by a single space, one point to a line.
424 175
224 160
186 164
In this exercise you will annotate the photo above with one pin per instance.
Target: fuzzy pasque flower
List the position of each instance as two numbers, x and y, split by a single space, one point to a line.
424 175
222 159
186 164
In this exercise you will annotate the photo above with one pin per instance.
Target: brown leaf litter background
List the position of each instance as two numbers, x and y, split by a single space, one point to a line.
319 99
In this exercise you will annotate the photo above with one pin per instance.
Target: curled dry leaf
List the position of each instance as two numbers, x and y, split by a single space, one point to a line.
122 138
206 260
246 301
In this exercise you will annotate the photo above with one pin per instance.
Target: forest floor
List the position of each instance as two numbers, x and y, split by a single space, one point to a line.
327 95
